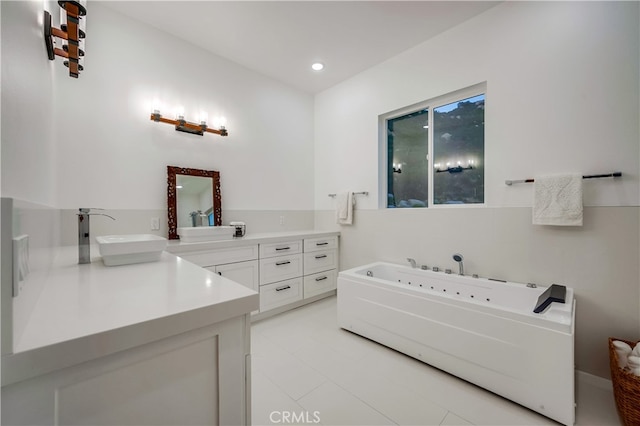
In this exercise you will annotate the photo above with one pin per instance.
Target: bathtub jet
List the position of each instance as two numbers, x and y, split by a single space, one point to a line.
480 330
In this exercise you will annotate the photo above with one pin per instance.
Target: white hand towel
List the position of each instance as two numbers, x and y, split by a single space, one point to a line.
557 200
344 208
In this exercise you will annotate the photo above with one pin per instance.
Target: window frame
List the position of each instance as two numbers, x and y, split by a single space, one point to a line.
431 105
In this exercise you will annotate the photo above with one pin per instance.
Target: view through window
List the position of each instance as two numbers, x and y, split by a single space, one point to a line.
453 133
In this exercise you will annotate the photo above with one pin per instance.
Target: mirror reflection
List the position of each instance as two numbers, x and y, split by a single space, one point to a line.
194 201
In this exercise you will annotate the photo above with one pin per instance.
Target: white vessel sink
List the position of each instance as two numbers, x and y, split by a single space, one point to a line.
127 249
206 233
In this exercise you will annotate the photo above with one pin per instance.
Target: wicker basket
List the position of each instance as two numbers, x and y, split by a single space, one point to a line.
626 388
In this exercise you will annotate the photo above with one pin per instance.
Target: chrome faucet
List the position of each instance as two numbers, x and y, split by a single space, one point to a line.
84 243
412 262
458 258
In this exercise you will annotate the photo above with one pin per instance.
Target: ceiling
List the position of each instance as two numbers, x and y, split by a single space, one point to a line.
281 39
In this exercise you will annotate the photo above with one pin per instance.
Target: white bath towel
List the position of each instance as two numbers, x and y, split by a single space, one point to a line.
344 208
557 200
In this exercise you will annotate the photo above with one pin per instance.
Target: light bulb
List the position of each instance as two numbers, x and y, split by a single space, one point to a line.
155 106
318 66
203 117
180 112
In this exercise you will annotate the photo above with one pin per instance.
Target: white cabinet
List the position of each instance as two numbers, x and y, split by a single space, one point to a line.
319 261
281 271
206 258
284 268
239 264
280 268
320 265
280 293
279 249
319 283
245 273
325 243
194 378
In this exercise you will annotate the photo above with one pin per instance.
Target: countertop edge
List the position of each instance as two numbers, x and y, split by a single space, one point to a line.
25 365
178 247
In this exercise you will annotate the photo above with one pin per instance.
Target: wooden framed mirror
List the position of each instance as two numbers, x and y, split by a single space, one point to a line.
192 190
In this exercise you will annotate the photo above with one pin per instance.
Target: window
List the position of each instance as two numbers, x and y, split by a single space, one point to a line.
435 151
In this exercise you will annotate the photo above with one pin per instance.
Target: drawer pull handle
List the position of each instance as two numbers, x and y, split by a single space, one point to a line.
286 287
286 262
282 248
322 244
322 256
321 278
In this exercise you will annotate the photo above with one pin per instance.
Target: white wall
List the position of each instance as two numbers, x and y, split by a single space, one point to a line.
28 93
562 96
103 150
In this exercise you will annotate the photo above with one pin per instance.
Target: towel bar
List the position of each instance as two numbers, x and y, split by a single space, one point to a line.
614 175
355 193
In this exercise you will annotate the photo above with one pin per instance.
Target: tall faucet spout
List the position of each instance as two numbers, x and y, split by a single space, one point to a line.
84 241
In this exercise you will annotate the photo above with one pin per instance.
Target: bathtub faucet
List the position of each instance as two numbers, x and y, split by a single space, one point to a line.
458 258
412 262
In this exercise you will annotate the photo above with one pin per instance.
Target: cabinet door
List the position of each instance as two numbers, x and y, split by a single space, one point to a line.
245 273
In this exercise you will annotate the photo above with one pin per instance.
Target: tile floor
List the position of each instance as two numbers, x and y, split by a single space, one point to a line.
305 365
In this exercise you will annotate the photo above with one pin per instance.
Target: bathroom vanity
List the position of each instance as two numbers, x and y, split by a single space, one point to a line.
165 342
288 269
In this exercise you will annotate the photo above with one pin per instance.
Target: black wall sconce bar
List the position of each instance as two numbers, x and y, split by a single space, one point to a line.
72 33
456 169
459 168
185 126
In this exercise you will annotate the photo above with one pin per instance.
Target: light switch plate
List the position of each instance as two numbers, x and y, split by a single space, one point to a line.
155 223
20 262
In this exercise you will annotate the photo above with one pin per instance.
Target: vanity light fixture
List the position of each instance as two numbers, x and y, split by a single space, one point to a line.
188 127
397 168
455 169
72 13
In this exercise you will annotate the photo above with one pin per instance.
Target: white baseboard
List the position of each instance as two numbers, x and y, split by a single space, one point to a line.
583 378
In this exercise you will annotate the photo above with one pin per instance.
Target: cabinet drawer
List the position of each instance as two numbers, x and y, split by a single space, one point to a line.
317 244
280 293
318 261
320 283
220 256
280 268
279 249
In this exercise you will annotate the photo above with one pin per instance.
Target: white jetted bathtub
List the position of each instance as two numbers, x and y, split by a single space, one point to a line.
481 330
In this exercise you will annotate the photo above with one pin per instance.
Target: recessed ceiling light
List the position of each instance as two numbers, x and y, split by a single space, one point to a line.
317 66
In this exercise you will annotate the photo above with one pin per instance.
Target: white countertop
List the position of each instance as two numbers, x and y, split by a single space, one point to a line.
178 247
92 300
